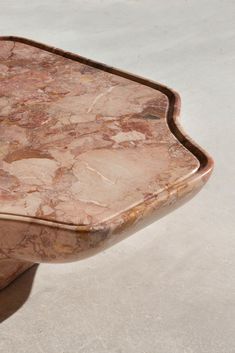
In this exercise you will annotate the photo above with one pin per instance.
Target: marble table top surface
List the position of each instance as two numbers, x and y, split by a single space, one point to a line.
80 145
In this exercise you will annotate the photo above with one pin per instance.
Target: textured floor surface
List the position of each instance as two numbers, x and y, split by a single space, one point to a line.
171 287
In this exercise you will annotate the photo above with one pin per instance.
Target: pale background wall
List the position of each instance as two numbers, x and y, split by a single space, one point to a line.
171 287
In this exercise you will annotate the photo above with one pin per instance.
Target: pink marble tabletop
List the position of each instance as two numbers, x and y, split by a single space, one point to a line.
88 155
80 145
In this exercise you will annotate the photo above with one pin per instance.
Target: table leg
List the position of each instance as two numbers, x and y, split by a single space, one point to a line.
10 269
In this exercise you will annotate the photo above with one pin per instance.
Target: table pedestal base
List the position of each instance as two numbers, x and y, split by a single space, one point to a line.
10 269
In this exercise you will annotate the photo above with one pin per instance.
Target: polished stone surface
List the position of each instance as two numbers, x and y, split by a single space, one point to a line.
89 155
169 288
80 145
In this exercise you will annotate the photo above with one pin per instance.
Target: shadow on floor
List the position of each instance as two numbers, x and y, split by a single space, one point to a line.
15 294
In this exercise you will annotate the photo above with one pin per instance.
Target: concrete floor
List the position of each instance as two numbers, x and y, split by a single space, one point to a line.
171 287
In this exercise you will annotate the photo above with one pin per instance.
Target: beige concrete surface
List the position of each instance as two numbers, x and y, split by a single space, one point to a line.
171 287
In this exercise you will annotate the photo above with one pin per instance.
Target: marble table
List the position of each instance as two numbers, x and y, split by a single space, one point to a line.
88 155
